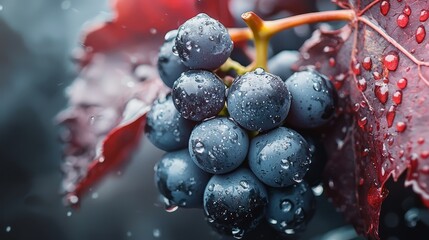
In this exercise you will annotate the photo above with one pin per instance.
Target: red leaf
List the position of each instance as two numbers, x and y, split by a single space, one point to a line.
116 148
382 129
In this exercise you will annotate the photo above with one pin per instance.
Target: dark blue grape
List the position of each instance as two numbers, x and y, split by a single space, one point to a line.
281 63
165 128
170 67
235 202
218 145
179 180
280 157
258 100
199 94
313 100
290 209
203 43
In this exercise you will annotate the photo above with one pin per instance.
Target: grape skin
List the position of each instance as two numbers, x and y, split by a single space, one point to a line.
203 43
198 94
179 180
289 209
165 128
313 100
218 145
280 157
170 66
258 100
235 201
281 64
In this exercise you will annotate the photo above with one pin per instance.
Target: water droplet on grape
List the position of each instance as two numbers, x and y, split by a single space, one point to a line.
286 206
412 217
285 164
244 184
237 233
199 147
156 233
259 71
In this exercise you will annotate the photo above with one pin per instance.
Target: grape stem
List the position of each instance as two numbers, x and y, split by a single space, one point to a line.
261 31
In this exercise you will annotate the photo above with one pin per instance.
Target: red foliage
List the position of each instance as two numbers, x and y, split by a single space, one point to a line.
382 129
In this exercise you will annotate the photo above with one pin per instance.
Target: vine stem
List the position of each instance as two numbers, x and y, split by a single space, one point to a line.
261 31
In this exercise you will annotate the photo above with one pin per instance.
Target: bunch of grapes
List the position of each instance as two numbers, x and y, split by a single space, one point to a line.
236 149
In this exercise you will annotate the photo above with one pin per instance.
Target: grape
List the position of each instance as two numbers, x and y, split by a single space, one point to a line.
179 180
289 209
280 157
170 67
313 99
198 94
258 100
203 43
218 145
165 128
235 202
281 63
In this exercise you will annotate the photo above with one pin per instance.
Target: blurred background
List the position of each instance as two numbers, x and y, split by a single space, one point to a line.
37 38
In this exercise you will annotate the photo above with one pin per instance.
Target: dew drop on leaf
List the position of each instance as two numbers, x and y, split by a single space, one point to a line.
402 83
401 126
407 10
367 63
420 34
424 15
397 97
384 7
390 116
402 20
381 92
391 61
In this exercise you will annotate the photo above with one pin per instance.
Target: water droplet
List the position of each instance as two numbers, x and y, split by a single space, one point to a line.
289 231
129 234
420 34
424 154
367 63
69 213
390 116
356 69
259 71
169 206
153 31
297 178
73 199
244 184
286 206
317 87
332 62
317 190
397 97
199 147
272 221
381 91
285 164
407 10
237 233
401 126
402 83
402 20
188 45
362 122
362 84
424 15
156 233
328 49
384 7
8 229
420 140
391 61
376 75
412 217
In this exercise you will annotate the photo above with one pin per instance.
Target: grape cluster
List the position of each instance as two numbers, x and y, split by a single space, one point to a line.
236 151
